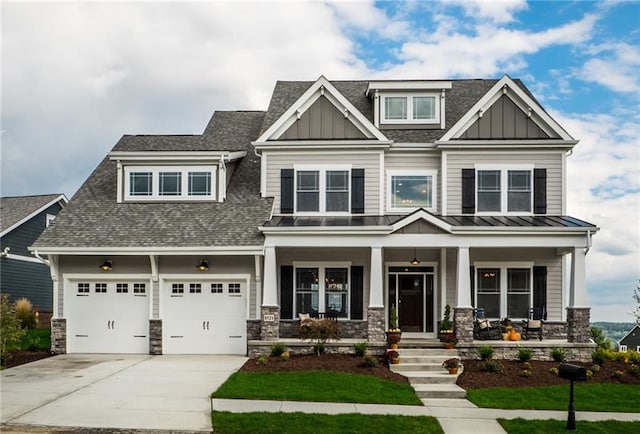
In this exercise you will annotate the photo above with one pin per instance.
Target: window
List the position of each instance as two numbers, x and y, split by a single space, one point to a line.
504 190
234 288
409 190
322 289
49 220
177 288
195 288
170 183
504 290
83 288
624 348
410 109
122 288
216 288
139 288
325 190
101 287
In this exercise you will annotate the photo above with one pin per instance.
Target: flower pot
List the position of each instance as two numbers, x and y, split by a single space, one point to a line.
453 371
393 346
395 361
448 345
393 337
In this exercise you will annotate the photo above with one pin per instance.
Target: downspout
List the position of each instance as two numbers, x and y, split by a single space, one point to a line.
589 242
40 258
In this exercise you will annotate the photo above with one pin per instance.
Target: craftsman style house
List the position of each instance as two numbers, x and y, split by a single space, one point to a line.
344 198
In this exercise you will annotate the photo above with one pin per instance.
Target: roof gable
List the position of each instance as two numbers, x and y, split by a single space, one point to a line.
633 337
15 211
506 97
421 221
321 88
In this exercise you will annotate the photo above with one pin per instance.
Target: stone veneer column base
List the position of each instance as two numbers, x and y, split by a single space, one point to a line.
270 329
155 337
463 323
375 324
59 336
578 329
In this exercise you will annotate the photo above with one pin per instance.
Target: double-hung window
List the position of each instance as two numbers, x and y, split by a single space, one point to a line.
504 190
157 183
408 190
322 289
504 290
322 190
415 108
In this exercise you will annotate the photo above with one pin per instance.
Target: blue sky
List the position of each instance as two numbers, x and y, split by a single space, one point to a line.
76 76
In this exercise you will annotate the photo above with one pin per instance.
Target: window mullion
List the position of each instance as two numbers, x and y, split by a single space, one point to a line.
503 292
321 289
322 190
504 190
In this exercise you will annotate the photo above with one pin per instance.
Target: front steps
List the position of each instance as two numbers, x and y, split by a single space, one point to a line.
421 363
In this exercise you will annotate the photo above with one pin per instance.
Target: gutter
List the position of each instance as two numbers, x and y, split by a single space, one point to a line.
37 255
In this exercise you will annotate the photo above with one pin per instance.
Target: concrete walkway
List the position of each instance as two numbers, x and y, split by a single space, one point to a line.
456 416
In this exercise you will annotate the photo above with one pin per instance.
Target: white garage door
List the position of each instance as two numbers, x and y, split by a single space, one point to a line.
107 316
204 317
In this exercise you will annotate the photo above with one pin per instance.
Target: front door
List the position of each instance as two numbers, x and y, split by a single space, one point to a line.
413 294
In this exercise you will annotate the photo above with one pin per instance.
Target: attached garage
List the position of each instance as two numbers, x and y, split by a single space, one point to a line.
107 315
204 316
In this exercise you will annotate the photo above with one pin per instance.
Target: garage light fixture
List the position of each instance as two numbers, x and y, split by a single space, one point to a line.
203 265
107 265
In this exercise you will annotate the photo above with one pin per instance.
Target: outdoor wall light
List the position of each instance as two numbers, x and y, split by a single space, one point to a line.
415 260
203 265
107 265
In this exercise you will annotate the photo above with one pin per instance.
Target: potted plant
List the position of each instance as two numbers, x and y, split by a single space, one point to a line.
394 333
445 327
450 341
393 357
452 365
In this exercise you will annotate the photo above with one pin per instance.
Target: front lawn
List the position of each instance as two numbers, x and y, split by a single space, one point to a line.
296 423
522 426
319 386
588 397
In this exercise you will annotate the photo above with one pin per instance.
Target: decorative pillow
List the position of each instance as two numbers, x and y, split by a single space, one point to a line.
484 324
534 324
304 316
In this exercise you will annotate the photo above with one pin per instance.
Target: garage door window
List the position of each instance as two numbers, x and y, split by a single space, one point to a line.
216 288
234 288
122 288
177 288
83 288
101 288
195 288
139 288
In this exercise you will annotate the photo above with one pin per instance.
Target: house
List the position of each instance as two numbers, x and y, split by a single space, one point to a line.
630 341
343 198
22 220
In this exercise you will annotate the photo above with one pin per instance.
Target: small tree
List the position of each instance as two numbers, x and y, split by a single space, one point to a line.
601 341
10 331
319 331
636 296
25 314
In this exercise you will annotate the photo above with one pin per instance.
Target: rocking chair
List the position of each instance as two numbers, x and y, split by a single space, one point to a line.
534 323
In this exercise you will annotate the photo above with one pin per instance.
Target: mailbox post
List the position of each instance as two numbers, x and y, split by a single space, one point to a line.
572 373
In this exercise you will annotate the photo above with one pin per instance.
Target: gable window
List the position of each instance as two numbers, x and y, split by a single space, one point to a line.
322 289
504 290
199 183
170 183
408 190
410 108
323 190
504 190
49 219
140 184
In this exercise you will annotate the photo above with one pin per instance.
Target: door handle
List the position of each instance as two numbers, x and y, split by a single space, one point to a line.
109 325
203 322
207 325
113 325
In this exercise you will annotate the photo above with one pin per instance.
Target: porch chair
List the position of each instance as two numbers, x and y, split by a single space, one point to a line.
482 327
534 323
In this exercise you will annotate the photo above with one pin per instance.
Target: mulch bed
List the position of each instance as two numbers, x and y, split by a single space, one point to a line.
15 358
324 362
473 377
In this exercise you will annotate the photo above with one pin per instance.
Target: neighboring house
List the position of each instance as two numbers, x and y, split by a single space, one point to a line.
344 198
22 220
631 341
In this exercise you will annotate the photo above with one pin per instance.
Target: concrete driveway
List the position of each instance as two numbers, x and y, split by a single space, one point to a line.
115 391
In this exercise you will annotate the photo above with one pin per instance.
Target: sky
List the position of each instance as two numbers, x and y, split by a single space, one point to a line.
77 76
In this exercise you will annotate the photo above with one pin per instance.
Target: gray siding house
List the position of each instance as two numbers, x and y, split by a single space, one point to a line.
631 341
343 198
22 220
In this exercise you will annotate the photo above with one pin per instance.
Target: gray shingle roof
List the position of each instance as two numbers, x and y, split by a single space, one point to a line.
93 218
15 208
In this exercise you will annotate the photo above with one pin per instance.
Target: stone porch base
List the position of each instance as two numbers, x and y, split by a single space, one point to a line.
298 346
577 352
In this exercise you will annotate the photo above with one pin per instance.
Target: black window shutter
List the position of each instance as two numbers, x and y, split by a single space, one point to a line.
540 288
286 291
472 281
540 191
286 191
468 191
357 191
357 287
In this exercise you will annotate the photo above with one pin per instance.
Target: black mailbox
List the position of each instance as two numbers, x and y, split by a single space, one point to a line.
572 372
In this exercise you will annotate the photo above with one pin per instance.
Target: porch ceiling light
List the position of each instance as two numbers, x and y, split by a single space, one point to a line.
107 265
415 260
203 265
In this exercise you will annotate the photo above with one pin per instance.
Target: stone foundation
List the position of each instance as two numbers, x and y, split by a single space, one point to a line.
297 346
375 325
59 336
508 350
463 323
578 329
554 330
155 337
346 329
270 329
253 329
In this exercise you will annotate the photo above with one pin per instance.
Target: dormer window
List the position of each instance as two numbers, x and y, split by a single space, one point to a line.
410 109
143 183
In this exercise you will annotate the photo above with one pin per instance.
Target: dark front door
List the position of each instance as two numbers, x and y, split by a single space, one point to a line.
411 302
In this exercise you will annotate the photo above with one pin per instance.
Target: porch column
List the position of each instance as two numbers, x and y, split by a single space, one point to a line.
578 312
270 320
58 323
463 312
375 311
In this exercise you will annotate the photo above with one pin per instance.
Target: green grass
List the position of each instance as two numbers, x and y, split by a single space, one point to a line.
522 426
588 397
40 337
319 386
296 423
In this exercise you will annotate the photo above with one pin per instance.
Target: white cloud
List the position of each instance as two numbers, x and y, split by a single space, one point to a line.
617 67
498 11
364 16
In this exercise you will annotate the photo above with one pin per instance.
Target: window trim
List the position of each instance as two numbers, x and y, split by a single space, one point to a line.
184 171
623 348
410 120
322 293
408 172
322 188
503 267
504 170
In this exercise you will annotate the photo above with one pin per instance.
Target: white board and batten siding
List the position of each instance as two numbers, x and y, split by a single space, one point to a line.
412 161
551 161
367 160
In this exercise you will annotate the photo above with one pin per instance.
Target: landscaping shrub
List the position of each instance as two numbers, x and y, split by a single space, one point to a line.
559 354
555 370
285 356
319 332
360 348
589 373
263 359
634 370
619 375
600 339
527 365
370 361
319 348
600 355
278 349
526 373
524 354
492 366
10 331
634 357
486 352
595 368
32 342
25 314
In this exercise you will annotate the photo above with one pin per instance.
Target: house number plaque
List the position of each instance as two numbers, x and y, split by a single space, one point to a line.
269 318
